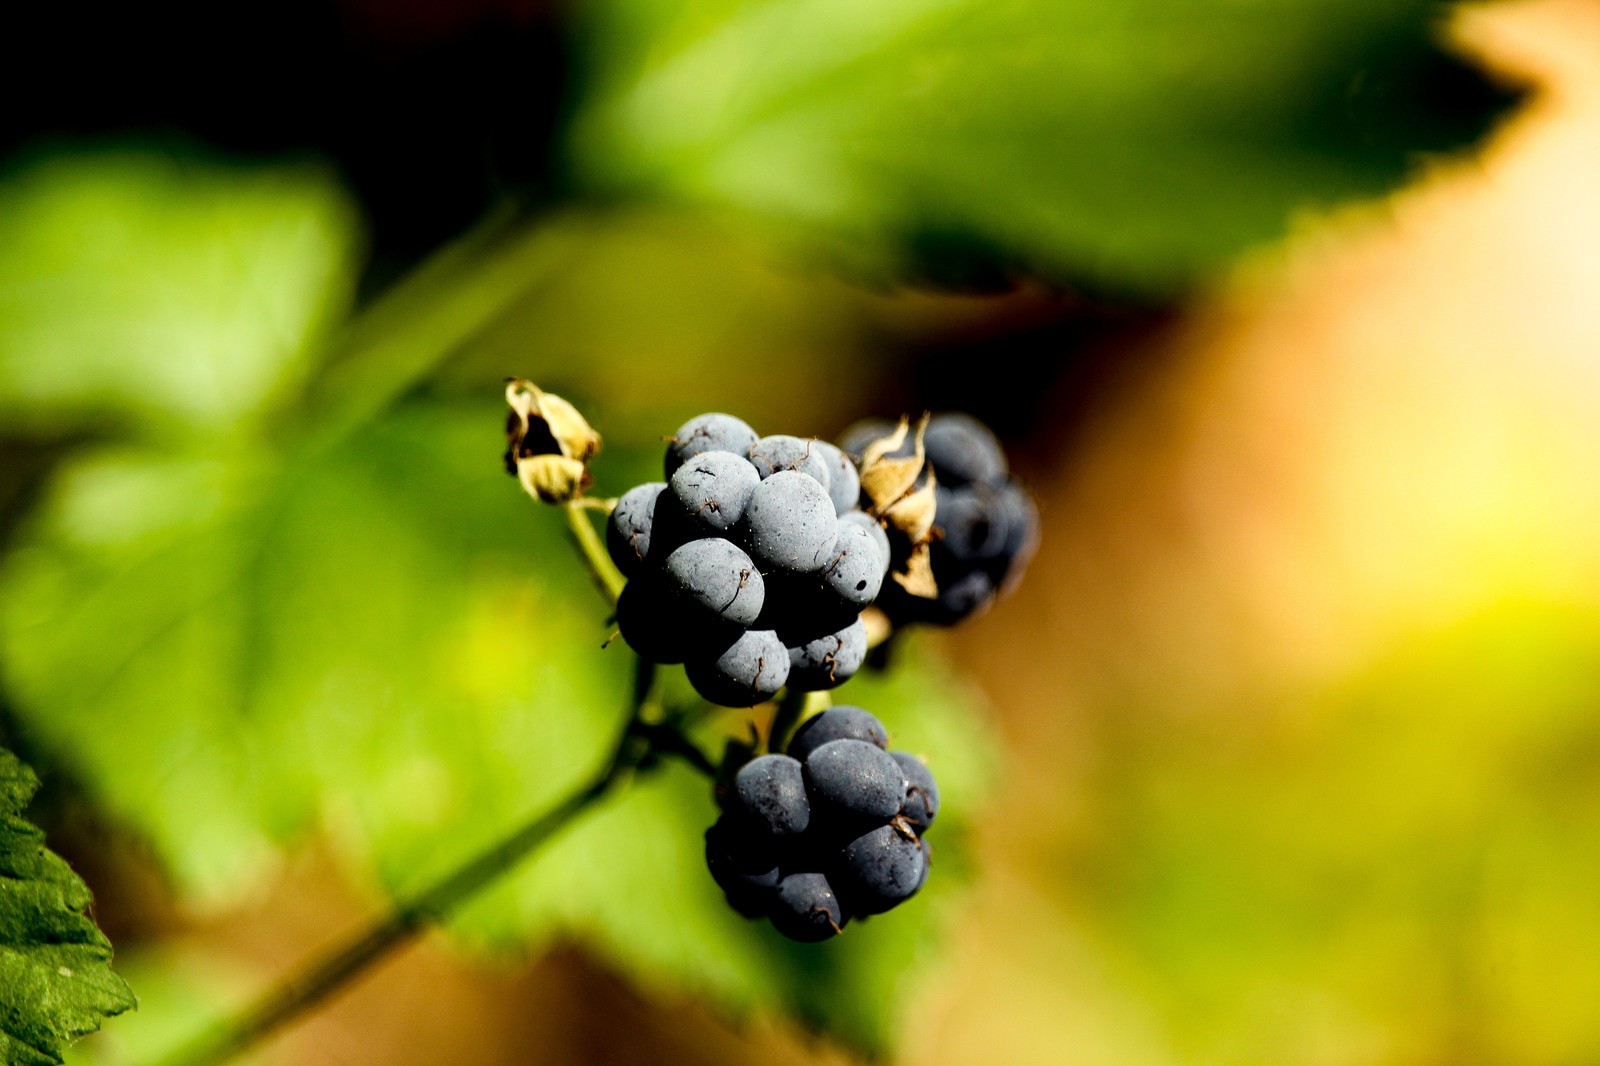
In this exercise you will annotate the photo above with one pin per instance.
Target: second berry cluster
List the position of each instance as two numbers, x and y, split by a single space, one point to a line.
828 832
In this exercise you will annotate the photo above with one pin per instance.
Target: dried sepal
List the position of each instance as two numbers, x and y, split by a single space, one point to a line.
554 479
550 443
902 492
912 514
917 576
887 476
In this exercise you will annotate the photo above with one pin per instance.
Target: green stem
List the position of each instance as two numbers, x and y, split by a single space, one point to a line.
795 708
326 976
667 739
647 693
607 578
786 718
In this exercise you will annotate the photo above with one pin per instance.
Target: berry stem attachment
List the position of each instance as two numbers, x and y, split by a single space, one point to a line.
607 578
667 739
785 719
648 708
795 708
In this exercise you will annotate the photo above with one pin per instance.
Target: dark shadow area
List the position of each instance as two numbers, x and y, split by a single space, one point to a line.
432 112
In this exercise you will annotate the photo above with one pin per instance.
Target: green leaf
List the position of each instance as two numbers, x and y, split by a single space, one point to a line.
1134 142
230 647
170 294
56 982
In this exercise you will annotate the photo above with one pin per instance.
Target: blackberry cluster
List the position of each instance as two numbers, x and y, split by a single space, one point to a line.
828 832
985 524
750 564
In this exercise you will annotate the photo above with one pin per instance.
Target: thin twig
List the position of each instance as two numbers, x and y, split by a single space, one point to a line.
666 739
326 976
794 709
607 578
785 719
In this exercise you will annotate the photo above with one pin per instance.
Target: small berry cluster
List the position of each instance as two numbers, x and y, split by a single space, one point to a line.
985 524
828 832
750 564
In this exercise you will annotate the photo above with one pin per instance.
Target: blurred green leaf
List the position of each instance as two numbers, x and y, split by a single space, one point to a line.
226 646
172 294
1133 142
56 982
643 309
